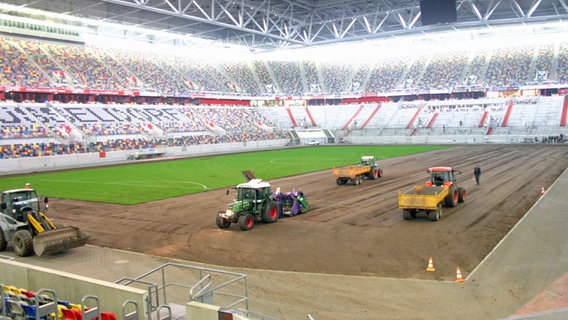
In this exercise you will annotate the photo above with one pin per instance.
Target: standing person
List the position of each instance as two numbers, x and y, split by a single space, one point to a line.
477 173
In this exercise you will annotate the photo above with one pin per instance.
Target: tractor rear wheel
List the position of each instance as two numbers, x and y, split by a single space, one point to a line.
222 222
23 243
270 212
3 241
452 198
246 221
461 194
374 173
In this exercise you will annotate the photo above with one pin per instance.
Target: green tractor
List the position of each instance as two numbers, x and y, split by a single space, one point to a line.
254 203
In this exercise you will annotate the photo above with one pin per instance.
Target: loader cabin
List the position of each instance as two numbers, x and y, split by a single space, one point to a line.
441 175
14 200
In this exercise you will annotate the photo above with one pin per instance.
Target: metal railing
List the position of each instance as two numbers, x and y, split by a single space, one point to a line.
175 283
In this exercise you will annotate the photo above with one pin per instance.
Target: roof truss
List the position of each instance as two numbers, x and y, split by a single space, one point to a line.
271 24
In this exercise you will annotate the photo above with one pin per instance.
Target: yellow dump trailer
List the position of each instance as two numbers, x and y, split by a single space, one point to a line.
423 198
366 169
440 190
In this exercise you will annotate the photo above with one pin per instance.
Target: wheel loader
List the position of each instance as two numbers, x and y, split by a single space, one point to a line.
24 223
253 203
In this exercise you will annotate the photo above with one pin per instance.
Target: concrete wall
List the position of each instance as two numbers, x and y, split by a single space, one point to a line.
431 139
71 287
28 165
202 311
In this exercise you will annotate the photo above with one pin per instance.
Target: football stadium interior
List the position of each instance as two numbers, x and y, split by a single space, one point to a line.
113 82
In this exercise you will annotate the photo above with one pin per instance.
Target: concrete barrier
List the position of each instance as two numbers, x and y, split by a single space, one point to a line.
61 162
71 287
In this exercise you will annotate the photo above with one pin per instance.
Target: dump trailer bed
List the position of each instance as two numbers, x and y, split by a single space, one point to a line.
422 198
350 172
355 173
427 199
366 169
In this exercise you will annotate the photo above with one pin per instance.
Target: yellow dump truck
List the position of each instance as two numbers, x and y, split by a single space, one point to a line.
440 190
366 169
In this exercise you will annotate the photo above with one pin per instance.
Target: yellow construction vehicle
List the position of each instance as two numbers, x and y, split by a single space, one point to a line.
24 223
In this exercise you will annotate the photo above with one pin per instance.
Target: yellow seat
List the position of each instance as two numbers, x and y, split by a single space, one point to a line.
74 306
60 313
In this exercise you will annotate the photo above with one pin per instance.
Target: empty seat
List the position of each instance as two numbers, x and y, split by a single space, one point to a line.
108 316
15 310
30 312
60 315
72 314
29 294
74 306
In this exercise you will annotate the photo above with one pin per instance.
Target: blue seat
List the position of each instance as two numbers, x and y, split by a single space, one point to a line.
29 311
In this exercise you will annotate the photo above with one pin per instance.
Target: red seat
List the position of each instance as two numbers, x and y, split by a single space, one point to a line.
108 316
72 314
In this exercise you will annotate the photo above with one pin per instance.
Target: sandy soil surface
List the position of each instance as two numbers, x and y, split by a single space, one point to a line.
349 230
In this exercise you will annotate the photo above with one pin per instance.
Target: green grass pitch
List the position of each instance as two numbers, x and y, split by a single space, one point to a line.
149 181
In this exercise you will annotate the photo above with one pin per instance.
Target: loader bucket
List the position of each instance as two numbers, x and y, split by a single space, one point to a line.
59 240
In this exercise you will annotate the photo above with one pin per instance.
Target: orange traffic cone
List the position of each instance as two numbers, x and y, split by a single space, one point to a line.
542 191
430 265
459 275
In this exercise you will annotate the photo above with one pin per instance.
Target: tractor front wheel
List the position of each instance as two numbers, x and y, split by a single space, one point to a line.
23 243
246 221
222 222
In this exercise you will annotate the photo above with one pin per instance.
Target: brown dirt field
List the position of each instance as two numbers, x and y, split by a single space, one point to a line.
349 230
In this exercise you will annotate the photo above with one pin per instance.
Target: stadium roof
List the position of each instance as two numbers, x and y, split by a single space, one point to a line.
271 24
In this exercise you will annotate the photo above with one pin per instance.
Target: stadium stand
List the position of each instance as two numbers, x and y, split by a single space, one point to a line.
47 64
